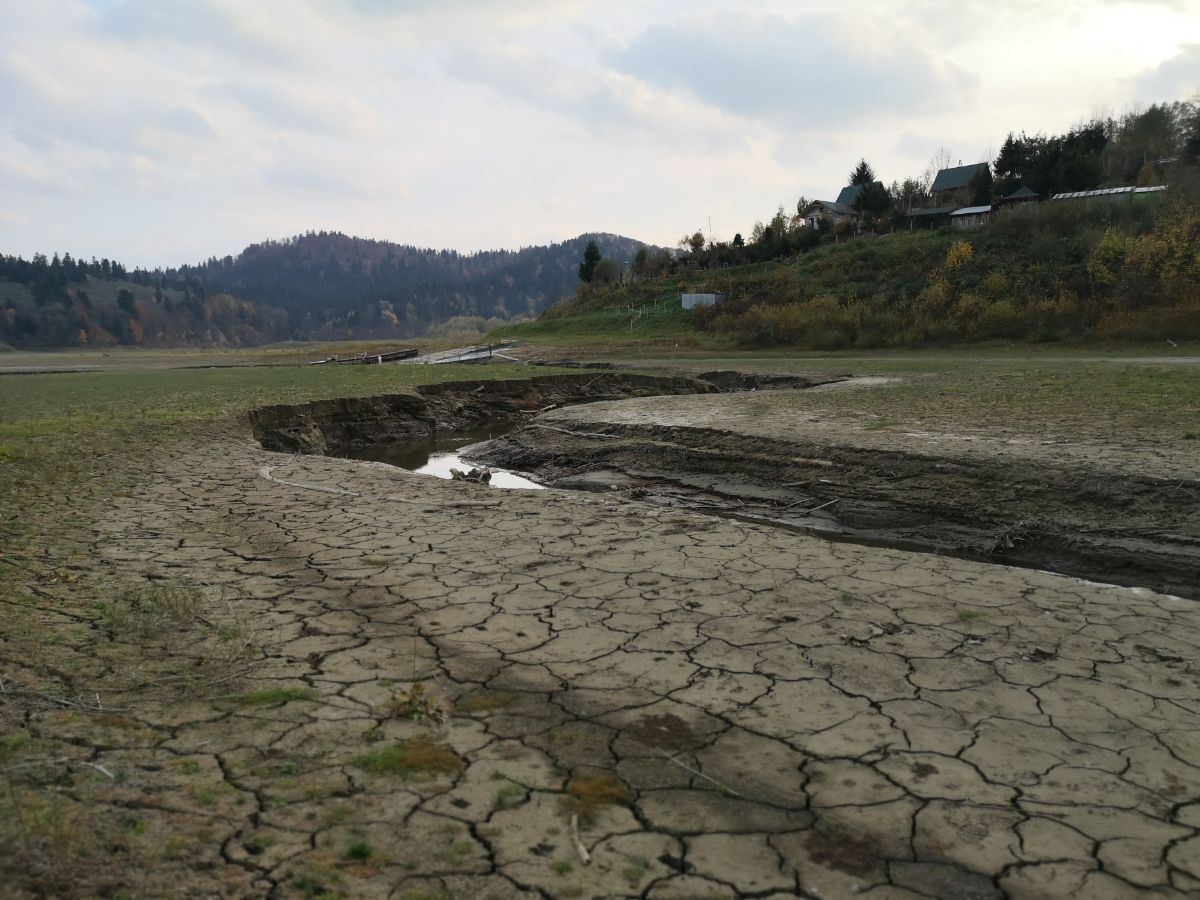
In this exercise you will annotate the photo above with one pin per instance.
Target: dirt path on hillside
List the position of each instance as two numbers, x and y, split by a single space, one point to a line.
721 709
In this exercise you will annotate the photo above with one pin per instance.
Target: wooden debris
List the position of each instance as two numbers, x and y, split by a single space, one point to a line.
477 475
584 856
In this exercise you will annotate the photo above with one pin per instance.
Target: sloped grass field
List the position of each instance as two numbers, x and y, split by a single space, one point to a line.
1044 273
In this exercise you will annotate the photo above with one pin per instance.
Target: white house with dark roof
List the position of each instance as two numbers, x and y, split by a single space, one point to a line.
830 211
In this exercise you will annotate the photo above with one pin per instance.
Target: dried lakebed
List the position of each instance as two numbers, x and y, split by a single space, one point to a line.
618 699
1079 510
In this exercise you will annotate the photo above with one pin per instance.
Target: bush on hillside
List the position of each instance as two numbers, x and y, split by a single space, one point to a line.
1050 272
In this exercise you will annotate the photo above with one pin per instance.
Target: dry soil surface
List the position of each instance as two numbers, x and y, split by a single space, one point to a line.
724 709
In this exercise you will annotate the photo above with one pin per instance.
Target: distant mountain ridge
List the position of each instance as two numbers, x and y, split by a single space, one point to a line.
315 286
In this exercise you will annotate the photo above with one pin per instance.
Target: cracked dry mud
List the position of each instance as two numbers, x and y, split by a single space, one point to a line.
729 709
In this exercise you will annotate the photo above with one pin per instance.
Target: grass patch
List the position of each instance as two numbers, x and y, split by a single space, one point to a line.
415 760
358 851
508 797
11 745
272 696
484 702
150 610
591 793
968 615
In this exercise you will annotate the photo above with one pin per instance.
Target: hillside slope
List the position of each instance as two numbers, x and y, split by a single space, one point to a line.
1043 272
324 286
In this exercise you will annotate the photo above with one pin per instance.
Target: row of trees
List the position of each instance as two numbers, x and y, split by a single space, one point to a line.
647 262
315 286
1140 147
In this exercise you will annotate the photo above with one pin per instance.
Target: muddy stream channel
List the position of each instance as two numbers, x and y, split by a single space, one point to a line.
1057 515
437 454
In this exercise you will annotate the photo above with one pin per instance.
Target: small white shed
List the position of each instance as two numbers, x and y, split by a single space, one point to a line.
691 301
970 216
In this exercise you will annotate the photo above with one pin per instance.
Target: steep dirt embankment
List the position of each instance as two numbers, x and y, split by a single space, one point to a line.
334 427
1126 528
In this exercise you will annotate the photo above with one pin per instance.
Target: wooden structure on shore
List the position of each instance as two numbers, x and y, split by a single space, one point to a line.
367 359
480 353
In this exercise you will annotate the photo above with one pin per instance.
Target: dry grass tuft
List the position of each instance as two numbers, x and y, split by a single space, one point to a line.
591 793
415 760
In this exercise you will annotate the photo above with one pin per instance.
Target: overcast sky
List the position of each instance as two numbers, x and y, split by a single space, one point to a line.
166 131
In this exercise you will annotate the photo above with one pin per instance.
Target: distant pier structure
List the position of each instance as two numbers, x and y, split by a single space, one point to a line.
691 301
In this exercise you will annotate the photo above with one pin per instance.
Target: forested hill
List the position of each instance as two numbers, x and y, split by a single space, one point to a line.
315 286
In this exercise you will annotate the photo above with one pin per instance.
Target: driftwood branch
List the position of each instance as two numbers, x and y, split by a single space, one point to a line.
584 856
724 788
265 472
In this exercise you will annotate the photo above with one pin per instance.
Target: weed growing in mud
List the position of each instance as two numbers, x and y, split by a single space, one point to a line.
636 870
1190 435
562 867
273 696
50 841
968 615
358 851
880 424
417 704
509 796
12 744
184 640
484 702
314 887
415 760
152 610
589 794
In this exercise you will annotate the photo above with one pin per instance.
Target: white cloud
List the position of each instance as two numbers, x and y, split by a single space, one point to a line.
600 99
807 72
160 132
1177 78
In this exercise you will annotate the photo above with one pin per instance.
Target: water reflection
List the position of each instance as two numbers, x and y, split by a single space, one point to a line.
437 455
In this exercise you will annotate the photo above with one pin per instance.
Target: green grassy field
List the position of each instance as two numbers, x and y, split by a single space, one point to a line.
57 429
664 324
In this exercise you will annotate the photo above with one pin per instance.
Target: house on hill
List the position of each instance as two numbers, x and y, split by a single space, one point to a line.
951 184
850 193
843 209
929 217
970 216
830 211
1021 195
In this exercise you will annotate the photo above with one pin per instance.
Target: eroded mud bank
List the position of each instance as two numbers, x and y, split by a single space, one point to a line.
1123 529
335 427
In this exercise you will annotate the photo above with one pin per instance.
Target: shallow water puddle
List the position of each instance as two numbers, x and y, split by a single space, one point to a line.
438 454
